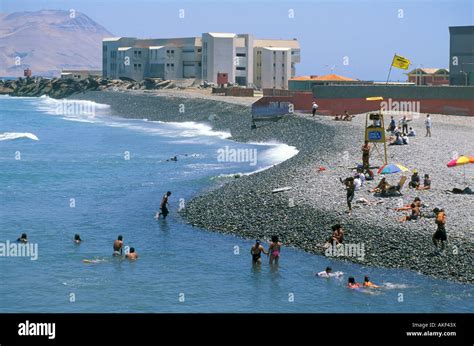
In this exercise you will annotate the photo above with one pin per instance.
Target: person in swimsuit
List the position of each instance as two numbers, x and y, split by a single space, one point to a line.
23 238
367 283
118 246
440 234
365 155
351 283
416 201
337 234
274 250
415 213
256 252
164 206
132 255
77 239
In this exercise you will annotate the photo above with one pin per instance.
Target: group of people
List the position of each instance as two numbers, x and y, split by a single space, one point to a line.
351 283
273 251
415 181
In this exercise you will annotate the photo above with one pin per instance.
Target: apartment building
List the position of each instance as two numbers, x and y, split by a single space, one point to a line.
245 60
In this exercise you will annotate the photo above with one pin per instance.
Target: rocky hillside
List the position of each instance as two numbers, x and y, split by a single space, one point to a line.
48 41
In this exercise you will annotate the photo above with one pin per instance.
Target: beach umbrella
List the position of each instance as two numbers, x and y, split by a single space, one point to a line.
392 168
461 161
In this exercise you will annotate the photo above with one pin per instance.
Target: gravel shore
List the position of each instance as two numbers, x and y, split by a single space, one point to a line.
303 216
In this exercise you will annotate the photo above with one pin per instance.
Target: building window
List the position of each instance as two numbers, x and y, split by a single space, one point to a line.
199 50
283 65
243 55
240 68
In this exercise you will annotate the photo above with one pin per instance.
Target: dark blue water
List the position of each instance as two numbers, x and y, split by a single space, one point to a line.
180 268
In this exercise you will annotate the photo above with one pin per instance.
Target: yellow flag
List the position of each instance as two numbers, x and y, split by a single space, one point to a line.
400 62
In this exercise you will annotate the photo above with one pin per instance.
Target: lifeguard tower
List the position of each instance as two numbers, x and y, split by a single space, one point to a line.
375 130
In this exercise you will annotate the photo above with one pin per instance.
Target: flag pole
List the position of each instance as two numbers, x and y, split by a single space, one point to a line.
389 71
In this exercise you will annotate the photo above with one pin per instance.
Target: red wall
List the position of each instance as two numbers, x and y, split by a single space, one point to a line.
355 106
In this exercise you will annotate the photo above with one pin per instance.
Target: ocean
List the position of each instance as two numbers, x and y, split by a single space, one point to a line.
74 167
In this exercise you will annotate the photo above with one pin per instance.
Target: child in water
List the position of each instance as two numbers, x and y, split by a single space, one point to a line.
367 283
352 284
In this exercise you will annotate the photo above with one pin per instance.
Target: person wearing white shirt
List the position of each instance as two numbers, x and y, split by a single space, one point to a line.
428 125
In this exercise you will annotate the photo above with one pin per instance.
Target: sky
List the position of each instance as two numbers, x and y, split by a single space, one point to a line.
351 38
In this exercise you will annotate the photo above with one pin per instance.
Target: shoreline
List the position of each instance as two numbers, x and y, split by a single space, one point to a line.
245 207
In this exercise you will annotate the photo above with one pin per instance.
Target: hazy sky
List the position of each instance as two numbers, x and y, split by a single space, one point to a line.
367 32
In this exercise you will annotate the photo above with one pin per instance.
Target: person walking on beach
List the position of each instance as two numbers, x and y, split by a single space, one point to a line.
256 252
164 206
118 246
314 108
274 250
440 234
350 191
365 155
428 125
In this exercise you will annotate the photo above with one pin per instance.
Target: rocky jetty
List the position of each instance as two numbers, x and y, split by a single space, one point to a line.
61 87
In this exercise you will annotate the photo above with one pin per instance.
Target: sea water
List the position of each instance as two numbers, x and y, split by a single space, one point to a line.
100 176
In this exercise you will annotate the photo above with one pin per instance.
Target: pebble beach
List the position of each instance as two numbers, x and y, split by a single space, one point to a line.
302 216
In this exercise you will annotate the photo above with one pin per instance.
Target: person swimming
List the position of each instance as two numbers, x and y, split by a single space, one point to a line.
132 255
351 283
274 250
256 252
367 283
23 238
77 239
328 273
118 246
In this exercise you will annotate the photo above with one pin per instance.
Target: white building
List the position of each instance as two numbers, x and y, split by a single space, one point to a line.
245 60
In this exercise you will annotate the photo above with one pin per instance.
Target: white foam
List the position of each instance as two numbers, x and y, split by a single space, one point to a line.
6 136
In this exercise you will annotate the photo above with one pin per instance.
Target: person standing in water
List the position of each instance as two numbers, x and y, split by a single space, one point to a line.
23 238
118 246
132 255
164 206
77 239
274 250
256 252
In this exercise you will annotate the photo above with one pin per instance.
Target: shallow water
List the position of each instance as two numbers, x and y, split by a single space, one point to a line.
181 268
